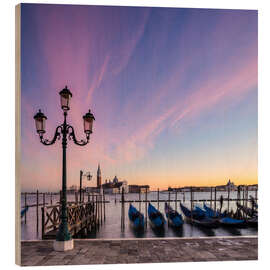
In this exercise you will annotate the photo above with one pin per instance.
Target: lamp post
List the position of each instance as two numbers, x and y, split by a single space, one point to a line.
64 240
89 176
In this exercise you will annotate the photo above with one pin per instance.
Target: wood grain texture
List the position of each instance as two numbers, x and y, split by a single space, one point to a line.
17 133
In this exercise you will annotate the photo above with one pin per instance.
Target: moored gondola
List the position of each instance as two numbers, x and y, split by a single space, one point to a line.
232 222
24 210
212 213
174 218
224 218
136 218
156 219
198 218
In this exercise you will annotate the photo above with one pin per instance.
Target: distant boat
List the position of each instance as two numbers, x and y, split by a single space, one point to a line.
174 218
197 217
156 219
136 218
24 210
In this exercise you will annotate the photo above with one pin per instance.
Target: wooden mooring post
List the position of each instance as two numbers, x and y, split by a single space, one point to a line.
169 197
247 198
51 198
215 199
211 197
158 198
37 201
101 209
146 207
104 216
175 200
228 199
140 199
123 211
191 206
243 195
25 205
96 212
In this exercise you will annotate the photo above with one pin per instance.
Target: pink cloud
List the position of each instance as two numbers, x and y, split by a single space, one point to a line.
223 89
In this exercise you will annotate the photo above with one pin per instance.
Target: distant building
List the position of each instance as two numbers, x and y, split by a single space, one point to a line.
109 187
138 188
229 186
115 186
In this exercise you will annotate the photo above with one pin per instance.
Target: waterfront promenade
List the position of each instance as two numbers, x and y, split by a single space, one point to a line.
96 251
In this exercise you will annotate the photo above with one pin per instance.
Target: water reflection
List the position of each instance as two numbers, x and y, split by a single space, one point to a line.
178 232
158 232
206 231
233 231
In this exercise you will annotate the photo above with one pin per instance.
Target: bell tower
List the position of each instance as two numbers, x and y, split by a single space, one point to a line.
98 176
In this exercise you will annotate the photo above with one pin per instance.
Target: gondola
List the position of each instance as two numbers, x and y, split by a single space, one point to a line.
225 219
251 212
212 213
156 219
136 218
198 218
24 210
253 201
231 222
253 221
251 215
174 218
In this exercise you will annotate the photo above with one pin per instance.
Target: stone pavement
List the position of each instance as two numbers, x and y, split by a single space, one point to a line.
97 251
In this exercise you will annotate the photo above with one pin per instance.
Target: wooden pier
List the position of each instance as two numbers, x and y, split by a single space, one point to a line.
83 217
80 217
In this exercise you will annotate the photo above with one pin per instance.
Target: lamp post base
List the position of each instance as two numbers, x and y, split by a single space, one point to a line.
63 245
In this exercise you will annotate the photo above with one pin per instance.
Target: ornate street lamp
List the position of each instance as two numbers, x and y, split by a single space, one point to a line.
89 177
64 240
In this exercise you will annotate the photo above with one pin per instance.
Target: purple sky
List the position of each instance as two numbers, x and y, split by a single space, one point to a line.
174 93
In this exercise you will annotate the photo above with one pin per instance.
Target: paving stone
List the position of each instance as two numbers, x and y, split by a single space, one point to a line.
141 251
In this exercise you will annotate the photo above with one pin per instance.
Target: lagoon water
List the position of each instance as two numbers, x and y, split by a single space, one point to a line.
112 229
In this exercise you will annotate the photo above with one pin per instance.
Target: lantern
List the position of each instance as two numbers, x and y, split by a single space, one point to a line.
40 120
88 119
65 96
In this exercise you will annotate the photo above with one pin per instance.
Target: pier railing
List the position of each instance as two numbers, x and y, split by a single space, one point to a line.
88 214
80 216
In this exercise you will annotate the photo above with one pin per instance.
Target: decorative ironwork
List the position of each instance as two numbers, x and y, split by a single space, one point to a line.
65 130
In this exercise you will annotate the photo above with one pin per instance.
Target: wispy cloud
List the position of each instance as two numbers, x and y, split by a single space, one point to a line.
145 73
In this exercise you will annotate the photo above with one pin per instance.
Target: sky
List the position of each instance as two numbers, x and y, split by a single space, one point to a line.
174 92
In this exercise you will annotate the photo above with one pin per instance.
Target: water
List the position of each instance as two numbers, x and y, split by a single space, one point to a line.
112 228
